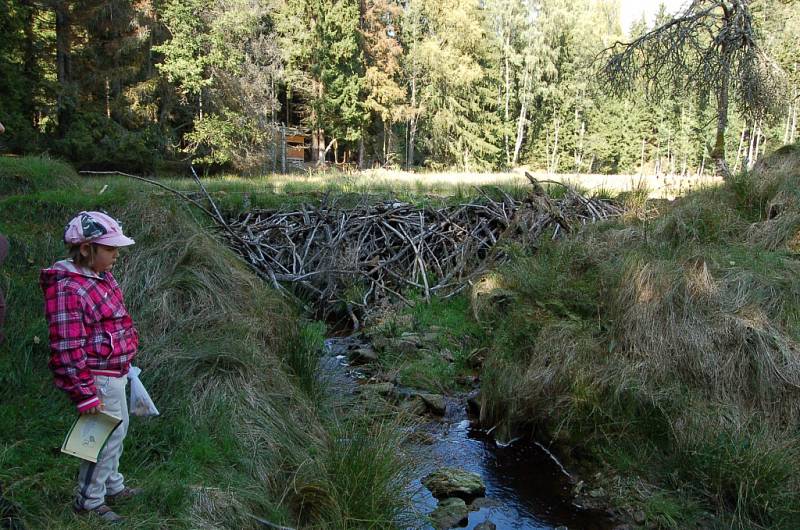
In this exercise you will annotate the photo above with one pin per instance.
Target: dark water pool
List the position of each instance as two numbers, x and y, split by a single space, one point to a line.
526 487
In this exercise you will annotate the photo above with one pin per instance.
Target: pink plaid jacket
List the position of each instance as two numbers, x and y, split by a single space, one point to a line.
91 332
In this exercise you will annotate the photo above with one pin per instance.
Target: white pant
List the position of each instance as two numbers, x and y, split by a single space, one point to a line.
95 481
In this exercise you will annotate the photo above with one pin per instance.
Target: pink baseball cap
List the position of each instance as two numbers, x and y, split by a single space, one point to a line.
96 227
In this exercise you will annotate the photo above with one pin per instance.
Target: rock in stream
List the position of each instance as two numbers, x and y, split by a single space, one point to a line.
452 482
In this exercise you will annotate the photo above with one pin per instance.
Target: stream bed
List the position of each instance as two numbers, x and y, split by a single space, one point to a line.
526 486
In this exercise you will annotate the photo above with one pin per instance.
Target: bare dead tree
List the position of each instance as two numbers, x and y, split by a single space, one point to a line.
710 48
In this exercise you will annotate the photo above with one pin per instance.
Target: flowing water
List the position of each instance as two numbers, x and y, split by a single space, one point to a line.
526 486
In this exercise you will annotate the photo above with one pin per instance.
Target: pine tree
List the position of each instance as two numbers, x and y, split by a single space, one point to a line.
713 46
385 95
456 99
23 85
324 63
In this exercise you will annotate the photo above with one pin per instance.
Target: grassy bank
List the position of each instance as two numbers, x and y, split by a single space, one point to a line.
246 430
667 349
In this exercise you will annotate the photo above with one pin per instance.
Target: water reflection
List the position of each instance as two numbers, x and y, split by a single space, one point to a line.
525 486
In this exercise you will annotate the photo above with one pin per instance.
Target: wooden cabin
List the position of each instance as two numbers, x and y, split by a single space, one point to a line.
294 147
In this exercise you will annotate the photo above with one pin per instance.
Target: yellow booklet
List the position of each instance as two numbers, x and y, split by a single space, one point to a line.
89 434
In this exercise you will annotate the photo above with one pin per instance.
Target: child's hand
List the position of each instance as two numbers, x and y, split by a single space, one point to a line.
94 410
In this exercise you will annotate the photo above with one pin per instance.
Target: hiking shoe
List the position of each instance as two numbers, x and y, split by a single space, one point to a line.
103 512
123 495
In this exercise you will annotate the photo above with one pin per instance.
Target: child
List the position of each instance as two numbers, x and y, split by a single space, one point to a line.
93 341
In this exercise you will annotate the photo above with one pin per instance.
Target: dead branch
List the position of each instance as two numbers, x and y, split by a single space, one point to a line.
362 257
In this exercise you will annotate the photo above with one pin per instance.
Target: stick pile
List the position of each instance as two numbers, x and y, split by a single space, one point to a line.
351 259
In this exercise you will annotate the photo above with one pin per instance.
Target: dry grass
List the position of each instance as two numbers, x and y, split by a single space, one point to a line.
458 183
672 341
775 190
715 335
298 450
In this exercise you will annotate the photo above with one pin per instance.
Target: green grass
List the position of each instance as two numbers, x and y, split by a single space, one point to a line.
455 330
246 428
32 174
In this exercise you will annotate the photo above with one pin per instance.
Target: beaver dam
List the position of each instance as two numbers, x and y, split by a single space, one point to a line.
352 259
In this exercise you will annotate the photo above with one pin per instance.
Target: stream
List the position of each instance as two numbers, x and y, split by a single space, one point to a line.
526 486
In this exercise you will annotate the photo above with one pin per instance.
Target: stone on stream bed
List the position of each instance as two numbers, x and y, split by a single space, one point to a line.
449 513
381 389
435 403
363 355
404 345
418 403
486 525
407 343
452 482
474 402
483 502
414 405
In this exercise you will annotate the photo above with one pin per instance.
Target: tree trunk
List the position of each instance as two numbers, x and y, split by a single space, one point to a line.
794 125
670 166
388 155
522 119
508 92
718 152
108 98
327 148
579 148
758 144
288 106
384 143
29 63
412 124
63 66
320 151
641 164
554 163
283 149
739 150
520 132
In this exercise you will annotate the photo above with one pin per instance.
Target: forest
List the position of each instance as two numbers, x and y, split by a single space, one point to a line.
149 85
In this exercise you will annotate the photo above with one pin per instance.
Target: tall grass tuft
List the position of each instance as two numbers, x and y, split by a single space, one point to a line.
672 343
353 482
